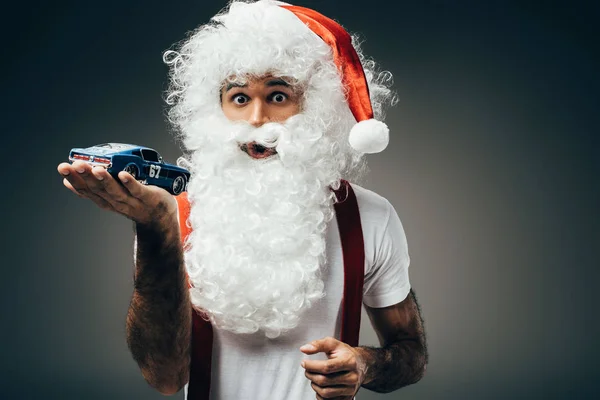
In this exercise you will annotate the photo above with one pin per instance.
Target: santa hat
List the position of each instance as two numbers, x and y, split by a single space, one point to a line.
368 135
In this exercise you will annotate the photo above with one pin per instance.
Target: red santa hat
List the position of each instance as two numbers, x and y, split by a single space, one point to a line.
368 135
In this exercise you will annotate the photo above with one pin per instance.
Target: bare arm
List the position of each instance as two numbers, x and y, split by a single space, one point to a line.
399 362
403 357
159 317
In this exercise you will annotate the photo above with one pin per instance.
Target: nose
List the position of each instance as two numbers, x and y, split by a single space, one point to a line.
258 114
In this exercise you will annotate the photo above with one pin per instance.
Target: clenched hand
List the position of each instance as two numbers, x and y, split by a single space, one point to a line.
341 375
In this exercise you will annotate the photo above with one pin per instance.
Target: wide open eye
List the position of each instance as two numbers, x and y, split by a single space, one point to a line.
240 99
279 97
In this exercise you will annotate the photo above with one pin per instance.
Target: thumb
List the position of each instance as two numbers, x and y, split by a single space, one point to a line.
325 345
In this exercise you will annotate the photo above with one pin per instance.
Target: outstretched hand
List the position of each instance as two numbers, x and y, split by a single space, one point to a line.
140 203
341 375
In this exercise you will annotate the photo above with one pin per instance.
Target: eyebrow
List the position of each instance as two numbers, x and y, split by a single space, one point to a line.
269 83
277 82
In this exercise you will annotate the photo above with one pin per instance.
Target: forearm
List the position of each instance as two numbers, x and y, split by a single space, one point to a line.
159 317
394 366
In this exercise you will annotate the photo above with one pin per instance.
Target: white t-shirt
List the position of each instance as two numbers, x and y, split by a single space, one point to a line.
251 367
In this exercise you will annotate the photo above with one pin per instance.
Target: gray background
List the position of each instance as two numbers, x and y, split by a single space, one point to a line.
492 167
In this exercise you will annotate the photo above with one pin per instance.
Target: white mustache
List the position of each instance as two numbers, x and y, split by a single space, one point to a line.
267 135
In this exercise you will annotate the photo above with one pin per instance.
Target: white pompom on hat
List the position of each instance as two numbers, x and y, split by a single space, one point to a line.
368 135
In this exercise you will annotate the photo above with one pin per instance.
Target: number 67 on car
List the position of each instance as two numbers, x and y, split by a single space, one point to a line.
143 163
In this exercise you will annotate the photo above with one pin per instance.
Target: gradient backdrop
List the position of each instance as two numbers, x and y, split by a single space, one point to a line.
492 167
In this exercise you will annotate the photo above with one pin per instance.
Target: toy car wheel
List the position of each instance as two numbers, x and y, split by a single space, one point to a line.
178 185
132 170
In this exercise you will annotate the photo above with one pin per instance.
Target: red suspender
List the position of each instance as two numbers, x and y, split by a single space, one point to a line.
202 333
351 236
353 249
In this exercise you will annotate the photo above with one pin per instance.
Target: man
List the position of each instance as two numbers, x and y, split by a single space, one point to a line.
272 105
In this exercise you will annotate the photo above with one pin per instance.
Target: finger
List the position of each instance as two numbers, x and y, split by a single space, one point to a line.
100 202
347 378
81 167
75 178
332 391
112 191
332 365
92 183
64 168
80 177
72 189
86 172
325 345
134 187
86 183
319 397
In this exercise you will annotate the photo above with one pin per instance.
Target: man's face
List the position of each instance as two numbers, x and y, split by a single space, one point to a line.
259 101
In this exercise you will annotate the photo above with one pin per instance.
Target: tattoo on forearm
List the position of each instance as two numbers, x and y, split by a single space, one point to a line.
159 317
400 363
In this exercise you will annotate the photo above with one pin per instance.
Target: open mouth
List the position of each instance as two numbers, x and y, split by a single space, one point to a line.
258 151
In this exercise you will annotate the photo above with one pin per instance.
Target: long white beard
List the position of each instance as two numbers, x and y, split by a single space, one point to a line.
257 250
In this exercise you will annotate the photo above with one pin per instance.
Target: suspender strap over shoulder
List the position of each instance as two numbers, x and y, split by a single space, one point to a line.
353 249
202 333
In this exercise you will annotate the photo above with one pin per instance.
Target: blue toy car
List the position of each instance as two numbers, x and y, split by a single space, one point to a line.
143 163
